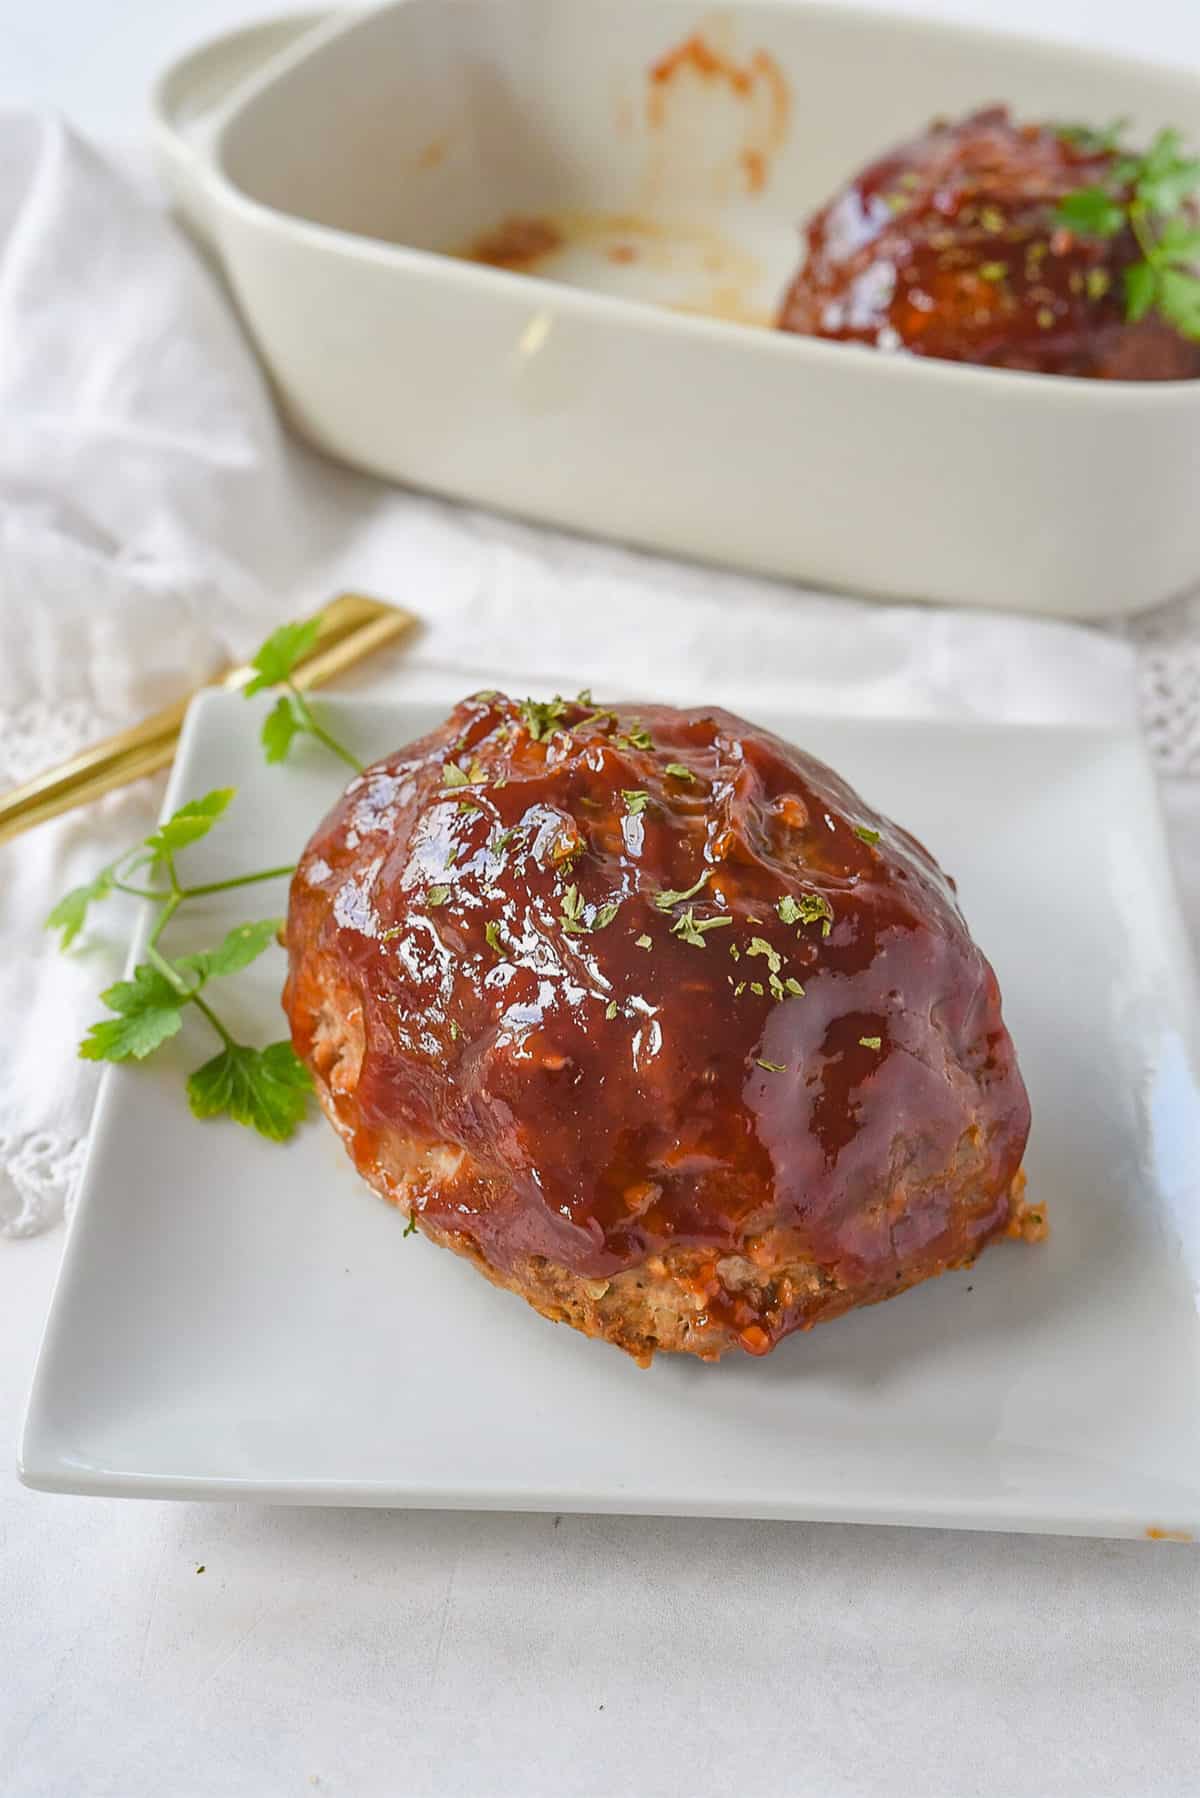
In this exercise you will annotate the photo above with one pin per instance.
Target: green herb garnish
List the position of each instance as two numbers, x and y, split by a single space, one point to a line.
870 1042
491 932
635 800
574 921
1149 194
809 908
772 1067
541 716
610 1010
274 665
865 834
664 901
692 929
265 1088
437 895
679 770
636 737
644 942
760 946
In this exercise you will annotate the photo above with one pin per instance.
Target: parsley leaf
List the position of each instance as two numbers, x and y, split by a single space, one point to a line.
1181 237
692 929
437 895
573 919
242 945
870 1042
865 834
1141 290
281 724
491 932
1166 178
644 942
277 658
679 770
70 913
454 776
760 946
772 1067
1093 211
191 822
610 1010
1179 300
636 737
148 1009
265 1089
664 901
809 908
541 716
1148 195
635 799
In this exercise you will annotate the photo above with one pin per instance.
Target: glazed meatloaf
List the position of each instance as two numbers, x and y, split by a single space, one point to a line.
650 1016
951 246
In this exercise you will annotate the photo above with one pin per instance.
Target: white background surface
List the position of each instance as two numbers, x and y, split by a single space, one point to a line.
365 1653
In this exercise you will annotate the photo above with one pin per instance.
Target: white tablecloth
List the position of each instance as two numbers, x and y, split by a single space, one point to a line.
406 1653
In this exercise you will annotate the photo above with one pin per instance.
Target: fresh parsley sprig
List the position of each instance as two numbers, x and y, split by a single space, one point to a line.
264 1088
1151 195
292 716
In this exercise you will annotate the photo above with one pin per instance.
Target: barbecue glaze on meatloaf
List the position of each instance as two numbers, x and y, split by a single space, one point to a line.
649 1015
949 246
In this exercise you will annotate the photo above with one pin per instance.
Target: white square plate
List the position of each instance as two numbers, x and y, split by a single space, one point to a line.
240 1320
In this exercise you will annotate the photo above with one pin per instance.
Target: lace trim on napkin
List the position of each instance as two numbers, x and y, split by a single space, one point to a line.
39 1168
1168 642
37 1181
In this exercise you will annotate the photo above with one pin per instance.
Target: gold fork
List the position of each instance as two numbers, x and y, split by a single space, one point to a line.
352 626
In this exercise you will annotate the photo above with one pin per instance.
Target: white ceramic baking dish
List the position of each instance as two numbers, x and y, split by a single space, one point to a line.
336 182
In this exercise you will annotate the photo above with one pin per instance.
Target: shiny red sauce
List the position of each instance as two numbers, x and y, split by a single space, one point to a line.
810 1028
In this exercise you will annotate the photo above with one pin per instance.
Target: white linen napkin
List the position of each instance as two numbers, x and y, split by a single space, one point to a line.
155 519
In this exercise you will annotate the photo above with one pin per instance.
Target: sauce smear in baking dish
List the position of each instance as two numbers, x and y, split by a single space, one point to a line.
683 265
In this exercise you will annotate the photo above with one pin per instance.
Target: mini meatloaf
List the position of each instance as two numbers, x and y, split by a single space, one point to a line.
949 246
650 1016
